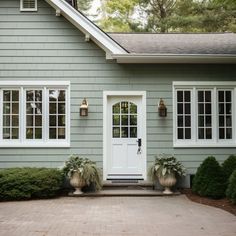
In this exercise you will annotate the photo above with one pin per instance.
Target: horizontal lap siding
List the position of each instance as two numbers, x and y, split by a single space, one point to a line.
40 46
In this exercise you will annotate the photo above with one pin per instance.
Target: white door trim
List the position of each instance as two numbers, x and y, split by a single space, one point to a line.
106 94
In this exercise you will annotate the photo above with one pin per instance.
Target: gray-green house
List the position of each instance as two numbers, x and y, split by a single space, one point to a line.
52 57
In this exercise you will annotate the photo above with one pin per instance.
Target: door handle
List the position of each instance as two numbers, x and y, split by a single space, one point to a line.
139 141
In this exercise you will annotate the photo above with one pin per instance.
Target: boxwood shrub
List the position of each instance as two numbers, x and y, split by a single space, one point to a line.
209 180
26 183
229 165
231 190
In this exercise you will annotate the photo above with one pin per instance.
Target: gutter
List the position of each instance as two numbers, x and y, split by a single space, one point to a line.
137 58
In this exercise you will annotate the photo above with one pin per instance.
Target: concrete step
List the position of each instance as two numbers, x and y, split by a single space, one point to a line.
125 193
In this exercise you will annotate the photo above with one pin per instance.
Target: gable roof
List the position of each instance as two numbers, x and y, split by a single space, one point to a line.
153 48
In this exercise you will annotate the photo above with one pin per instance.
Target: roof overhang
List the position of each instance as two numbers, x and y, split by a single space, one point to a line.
174 58
90 30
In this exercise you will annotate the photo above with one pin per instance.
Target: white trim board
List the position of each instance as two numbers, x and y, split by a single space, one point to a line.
87 27
106 94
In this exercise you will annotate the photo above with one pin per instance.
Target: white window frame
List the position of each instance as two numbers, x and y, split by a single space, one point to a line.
194 87
28 9
45 141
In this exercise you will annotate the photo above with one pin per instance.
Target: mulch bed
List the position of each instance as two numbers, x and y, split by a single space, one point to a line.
224 203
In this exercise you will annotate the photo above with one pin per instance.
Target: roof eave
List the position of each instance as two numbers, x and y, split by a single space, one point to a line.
87 27
135 58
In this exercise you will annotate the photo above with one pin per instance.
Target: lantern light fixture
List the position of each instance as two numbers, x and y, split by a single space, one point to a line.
84 108
162 110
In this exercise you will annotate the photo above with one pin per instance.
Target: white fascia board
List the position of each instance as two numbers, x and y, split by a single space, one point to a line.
175 58
87 27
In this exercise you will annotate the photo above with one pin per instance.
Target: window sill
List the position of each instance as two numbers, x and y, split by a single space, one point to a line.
35 145
204 145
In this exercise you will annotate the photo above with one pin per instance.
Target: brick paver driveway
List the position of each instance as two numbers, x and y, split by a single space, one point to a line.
164 216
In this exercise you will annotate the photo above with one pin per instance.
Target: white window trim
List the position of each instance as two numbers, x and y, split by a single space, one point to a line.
22 142
194 142
29 9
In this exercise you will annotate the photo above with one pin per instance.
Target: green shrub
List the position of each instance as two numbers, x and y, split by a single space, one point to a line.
26 183
209 180
229 165
231 190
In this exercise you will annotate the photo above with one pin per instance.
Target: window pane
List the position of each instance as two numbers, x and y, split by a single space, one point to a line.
52 120
15 120
229 133
221 96
221 108
6 95
207 96
201 121
124 107
200 108
6 133
38 120
221 133
15 133
53 95
187 96
208 133
6 120
61 120
61 108
228 96
38 133
52 133
208 108
228 120
38 108
15 108
29 133
179 96
180 108
187 121
221 121
133 132
201 133
180 134
228 108
180 121
188 133
187 108
200 96
208 121
116 108
6 108
116 132
124 120
15 95
116 120
29 120
133 120
62 95
61 133
124 132
133 108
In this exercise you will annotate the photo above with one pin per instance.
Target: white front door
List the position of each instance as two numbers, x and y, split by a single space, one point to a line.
125 134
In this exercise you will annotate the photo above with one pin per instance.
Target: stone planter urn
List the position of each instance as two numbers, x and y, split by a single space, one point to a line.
77 183
167 182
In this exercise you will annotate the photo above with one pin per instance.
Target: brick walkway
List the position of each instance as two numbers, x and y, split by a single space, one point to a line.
136 216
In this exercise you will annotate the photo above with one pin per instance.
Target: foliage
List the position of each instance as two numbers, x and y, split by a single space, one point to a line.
26 183
84 5
164 166
229 165
87 169
169 15
231 190
209 180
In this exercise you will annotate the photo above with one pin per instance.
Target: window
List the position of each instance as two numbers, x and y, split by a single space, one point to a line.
33 114
124 120
28 5
204 114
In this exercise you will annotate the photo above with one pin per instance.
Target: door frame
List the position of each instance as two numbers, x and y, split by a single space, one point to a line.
106 95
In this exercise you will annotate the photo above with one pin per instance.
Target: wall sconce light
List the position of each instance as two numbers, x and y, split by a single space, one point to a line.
84 108
162 110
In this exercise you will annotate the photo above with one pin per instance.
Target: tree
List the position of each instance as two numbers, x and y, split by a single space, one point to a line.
169 15
84 5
